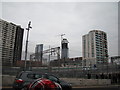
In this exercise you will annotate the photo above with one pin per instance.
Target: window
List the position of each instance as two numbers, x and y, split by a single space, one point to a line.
52 78
34 76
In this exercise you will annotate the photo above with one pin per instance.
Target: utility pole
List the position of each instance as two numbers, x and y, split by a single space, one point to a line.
49 68
26 47
49 55
61 44
58 57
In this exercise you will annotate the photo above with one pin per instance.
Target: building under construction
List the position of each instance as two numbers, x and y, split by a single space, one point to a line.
64 49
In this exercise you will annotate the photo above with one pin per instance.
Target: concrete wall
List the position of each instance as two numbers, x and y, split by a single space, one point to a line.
87 82
8 81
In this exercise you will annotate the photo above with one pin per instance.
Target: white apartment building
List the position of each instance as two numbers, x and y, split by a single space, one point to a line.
94 48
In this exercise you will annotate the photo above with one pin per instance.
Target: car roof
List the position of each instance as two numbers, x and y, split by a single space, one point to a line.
37 72
31 72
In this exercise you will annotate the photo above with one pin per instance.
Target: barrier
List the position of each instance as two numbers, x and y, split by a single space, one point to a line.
87 82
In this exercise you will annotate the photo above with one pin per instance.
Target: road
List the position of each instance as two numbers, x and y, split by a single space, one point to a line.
115 87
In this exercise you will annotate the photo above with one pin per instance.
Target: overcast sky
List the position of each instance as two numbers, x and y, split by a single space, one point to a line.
50 19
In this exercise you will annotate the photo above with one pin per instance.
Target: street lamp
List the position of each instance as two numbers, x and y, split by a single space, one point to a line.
26 47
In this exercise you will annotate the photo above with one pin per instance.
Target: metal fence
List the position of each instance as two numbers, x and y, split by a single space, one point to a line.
101 72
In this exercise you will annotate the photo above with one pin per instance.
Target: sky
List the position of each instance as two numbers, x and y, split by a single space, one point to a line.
74 19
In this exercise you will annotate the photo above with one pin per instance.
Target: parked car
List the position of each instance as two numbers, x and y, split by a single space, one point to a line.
30 80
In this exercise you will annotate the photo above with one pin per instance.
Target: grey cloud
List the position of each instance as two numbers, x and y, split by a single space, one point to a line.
74 19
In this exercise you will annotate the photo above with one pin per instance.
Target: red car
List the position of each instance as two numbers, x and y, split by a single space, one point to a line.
44 84
49 82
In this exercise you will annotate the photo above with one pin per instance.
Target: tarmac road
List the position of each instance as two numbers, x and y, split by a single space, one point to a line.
114 87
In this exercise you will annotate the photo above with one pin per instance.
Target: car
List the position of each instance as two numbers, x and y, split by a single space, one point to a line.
25 79
64 85
44 84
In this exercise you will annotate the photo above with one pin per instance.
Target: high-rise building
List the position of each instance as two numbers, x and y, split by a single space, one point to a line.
64 52
95 49
39 52
11 42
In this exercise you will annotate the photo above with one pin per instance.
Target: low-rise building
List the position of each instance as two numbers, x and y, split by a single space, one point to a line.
115 60
77 61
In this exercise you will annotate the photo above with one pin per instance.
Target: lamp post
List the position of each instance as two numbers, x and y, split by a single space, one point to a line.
26 47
